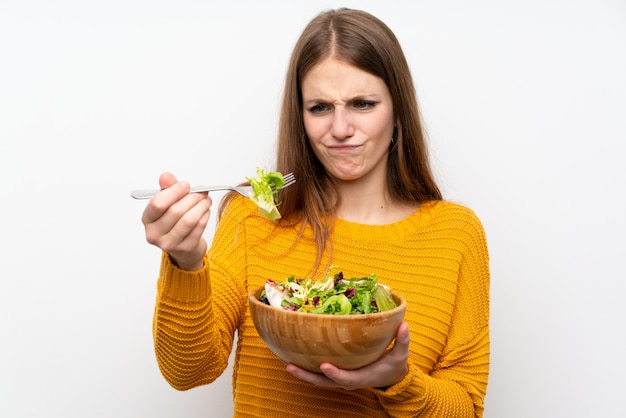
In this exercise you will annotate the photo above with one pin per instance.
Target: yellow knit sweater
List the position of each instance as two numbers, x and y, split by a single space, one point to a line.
437 258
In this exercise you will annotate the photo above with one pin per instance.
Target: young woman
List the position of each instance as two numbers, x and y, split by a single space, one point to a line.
365 200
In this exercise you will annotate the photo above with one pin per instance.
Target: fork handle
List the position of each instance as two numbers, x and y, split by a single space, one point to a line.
148 193
144 193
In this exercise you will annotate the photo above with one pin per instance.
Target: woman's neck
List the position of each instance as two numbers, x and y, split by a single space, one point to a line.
369 202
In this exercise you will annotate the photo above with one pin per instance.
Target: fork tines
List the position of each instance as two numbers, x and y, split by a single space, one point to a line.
289 179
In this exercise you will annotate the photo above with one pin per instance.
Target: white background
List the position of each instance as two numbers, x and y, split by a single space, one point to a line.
525 105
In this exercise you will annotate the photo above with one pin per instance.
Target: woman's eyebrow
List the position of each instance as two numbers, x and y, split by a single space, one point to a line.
358 96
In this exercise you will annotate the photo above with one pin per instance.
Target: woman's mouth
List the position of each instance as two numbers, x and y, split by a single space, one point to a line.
342 149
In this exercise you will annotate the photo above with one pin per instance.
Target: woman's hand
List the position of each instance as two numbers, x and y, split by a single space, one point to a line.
175 220
388 370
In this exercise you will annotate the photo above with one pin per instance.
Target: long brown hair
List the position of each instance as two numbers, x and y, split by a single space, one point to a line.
362 40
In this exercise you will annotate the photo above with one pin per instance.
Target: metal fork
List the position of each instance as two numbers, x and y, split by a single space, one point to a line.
242 190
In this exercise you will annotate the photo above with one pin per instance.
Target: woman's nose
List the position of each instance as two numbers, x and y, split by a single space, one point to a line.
342 127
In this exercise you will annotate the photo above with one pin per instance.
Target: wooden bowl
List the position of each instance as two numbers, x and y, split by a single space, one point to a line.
308 340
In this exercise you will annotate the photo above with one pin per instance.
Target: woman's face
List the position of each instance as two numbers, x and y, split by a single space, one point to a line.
348 118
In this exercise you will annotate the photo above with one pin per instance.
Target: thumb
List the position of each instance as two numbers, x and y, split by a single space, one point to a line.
166 180
403 337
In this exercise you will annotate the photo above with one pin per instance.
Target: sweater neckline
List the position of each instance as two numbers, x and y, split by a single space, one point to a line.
392 231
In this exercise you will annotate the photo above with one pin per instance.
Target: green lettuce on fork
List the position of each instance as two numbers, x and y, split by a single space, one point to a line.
332 295
264 193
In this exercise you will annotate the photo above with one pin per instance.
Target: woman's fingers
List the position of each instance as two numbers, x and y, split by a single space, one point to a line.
390 369
175 220
184 223
188 246
162 201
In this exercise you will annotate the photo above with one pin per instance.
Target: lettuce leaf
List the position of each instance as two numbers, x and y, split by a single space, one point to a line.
264 193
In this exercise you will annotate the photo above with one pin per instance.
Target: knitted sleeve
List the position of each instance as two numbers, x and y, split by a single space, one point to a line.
457 384
194 321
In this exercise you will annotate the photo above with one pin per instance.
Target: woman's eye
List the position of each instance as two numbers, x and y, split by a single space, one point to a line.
318 108
364 104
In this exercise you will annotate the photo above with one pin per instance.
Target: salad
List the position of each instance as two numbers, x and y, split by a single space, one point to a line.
333 295
264 193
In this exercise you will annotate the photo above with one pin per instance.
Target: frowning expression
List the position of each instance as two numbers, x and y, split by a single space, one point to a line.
348 118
